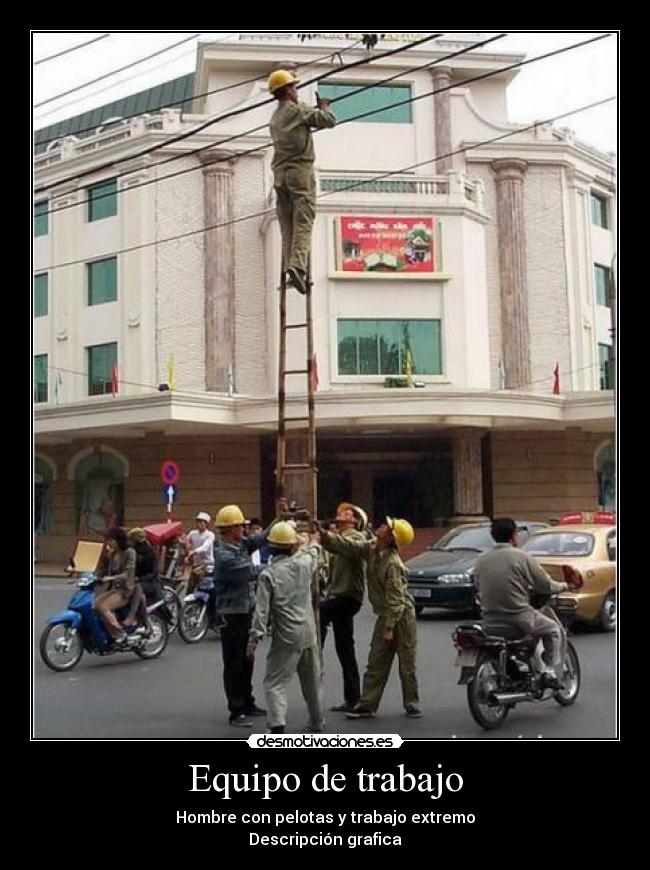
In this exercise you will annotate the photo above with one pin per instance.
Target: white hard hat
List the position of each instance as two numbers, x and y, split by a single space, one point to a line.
203 516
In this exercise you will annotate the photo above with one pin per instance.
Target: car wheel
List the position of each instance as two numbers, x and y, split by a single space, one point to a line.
607 615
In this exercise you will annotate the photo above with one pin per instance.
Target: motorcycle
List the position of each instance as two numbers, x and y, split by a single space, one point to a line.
69 632
199 612
502 666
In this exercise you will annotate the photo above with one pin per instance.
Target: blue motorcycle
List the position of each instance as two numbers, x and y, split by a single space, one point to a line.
69 632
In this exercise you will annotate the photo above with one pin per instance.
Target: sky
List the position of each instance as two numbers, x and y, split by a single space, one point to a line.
540 90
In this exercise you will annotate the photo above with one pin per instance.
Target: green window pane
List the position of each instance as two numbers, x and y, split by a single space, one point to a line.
599 211
371 347
606 365
41 218
424 341
40 378
348 351
601 280
102 281
102 358
40 295
352 103
102 200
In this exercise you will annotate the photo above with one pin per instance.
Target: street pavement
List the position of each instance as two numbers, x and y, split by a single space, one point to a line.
180 694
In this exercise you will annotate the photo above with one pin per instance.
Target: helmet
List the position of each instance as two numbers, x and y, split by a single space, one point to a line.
230 515
361 515
280 78
402 532
282 535
138 535
202 515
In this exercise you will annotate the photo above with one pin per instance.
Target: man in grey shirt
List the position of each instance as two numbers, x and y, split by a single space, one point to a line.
506 578
284 604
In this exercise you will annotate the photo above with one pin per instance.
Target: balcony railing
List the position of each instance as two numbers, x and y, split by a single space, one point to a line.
454 187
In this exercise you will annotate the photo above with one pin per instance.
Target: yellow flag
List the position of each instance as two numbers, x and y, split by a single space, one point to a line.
409 367
171 376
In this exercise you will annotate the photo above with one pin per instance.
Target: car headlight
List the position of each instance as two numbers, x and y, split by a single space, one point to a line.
454 578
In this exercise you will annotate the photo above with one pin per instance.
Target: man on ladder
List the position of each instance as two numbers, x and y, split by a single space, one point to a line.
293 171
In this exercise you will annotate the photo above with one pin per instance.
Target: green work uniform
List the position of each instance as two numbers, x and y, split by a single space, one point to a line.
394 608
293 174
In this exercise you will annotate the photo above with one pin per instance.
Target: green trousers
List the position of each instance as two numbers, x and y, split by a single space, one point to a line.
295 190
380 661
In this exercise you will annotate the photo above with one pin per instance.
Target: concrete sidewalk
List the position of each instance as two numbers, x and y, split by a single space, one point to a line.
50 569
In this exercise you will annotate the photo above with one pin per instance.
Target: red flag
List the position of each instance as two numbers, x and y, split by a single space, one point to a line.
114 381
556 380
314 374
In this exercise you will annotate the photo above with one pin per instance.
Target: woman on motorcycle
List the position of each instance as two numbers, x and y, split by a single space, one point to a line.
120 582
146 579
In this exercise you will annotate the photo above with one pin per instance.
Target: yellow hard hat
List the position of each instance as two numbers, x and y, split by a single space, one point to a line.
280 78
283 535
230 515
402 532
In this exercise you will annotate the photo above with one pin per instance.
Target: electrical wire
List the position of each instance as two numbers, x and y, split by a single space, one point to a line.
351 186
348 120
236 136
233 113
190 99
115 71
68 50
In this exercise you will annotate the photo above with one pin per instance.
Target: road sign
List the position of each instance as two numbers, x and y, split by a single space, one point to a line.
170 494
169 472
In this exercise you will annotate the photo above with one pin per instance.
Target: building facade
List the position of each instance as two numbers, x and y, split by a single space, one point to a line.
484 276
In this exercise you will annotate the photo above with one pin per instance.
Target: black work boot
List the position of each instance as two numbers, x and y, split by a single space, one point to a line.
279 729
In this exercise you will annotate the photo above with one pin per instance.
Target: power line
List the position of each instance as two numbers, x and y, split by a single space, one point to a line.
193 97
350 186
68 50
236 136
234 113
245 153
115 71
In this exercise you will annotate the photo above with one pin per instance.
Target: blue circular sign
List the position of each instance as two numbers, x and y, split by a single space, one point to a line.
169 472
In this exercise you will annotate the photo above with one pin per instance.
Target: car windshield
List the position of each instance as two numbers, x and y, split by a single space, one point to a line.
477 538
560 544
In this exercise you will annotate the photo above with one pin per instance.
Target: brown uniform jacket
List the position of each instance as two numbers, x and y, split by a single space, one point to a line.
291 133
347 571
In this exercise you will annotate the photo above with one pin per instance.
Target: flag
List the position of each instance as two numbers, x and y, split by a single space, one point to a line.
313 375
408 367
171 374
114 381
501 376
556 379
58 387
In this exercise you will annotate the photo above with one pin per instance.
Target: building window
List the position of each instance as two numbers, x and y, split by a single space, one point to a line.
599 211
40 378
102 359
42 497
385 347
606 367
40 295
102 200
102 281
602 280
605 465
371 100
41 218
99 483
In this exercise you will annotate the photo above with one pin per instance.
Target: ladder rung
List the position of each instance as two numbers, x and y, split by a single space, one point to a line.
294 419
295 325
299 466
296 372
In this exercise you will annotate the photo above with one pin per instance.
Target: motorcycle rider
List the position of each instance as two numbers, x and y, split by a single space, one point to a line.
506 577
120 584
200 555
345 590
284 600
147 583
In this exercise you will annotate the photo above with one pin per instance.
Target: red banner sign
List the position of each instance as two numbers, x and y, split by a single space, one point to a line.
386 244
